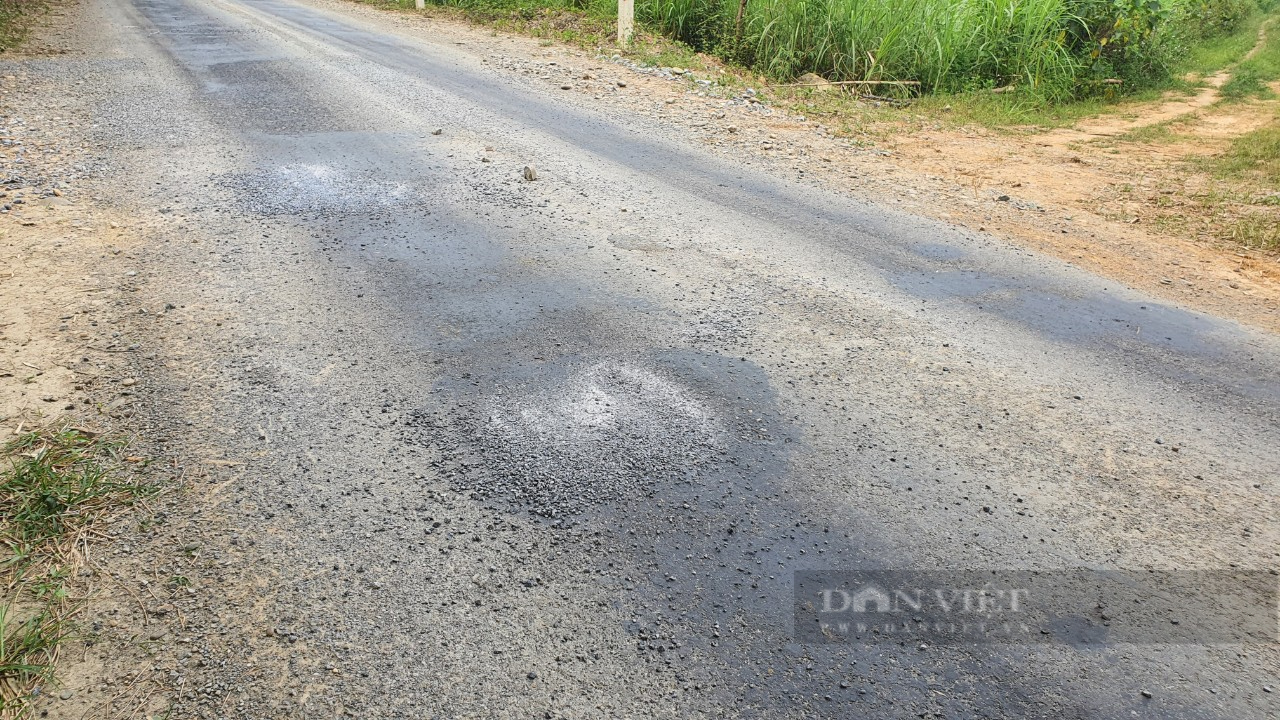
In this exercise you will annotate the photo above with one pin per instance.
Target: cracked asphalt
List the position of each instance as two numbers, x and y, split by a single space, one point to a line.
490 447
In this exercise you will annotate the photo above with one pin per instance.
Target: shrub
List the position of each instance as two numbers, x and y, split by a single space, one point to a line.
1118 38
1203 19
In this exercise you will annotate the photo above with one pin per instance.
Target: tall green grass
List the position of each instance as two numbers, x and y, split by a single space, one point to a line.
942 44
1053 49
1049 50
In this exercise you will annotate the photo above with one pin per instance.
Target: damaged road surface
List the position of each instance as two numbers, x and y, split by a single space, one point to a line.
496 447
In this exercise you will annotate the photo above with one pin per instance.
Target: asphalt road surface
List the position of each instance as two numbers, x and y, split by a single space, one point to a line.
555 448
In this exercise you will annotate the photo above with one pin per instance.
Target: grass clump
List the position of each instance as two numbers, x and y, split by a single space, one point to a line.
16 17
1053 51
1245 208
58 485
1254 230
1253 156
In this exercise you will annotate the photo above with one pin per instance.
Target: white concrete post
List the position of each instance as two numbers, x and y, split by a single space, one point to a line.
626 21
420 4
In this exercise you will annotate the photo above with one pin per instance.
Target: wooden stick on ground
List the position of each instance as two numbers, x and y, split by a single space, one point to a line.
852 82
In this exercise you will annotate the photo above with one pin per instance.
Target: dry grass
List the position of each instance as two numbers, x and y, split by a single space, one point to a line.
16 17
59 487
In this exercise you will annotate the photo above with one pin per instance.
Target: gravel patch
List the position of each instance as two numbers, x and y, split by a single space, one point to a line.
560 445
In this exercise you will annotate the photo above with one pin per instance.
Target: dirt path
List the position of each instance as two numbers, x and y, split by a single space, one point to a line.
1103 196
1125 206
1171 108
58 295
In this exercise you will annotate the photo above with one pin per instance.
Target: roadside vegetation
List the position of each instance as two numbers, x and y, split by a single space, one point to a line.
1258 68
1255 156
15 20
1053 51
1245 200
58 487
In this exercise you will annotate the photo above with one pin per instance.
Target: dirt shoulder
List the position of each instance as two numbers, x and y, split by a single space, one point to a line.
76 350
1097 195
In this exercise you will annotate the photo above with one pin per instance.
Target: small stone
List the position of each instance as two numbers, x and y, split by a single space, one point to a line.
128 382
621 84
733 128
1146 694
1002 198
66 694
530 174
532 675
566 87
438 131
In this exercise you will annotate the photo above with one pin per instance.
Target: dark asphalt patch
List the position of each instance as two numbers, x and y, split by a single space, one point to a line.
575 436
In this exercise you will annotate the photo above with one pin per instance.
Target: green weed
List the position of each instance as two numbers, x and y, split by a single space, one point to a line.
16 17
28 649
1253 156
1252 230
58 484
